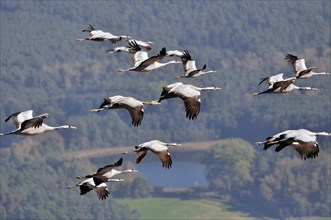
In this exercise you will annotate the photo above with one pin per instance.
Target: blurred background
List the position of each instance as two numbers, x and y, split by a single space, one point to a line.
219 172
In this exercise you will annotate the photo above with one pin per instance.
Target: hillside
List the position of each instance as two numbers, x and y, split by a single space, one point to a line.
44 68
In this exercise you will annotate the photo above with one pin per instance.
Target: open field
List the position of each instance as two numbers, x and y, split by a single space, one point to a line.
173 208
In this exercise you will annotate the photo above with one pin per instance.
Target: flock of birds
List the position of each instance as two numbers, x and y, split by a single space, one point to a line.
302 140
277 84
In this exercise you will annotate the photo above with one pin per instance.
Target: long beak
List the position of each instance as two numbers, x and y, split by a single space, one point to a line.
70 186
116 180
127 152
259 142
95 110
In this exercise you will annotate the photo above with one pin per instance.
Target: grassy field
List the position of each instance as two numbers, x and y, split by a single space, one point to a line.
173 208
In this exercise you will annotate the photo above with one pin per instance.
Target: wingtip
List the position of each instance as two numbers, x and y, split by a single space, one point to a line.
119 162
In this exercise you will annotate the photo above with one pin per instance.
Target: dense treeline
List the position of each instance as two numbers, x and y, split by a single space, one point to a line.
262 183
43 68
34 177
266 183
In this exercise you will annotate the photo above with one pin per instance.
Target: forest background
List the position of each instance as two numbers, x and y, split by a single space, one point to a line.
43 68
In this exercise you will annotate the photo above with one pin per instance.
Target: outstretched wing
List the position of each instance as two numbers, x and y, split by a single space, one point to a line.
192 107
191 98
165 159
306 150
298 63
105 169
272 79
280 86
19 117
140 154
137 115
102 191
34 122
153 59
85 188
188 62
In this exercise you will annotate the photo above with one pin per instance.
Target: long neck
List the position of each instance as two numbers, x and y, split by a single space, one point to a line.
158 64
323 133
307 88
128 171
81 39
112 173
321 73
125 37
208 88
97 109
210 71
51 128
172 144
115 180
294 87
153 102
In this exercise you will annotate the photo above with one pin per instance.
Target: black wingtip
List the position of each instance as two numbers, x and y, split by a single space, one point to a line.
7 119
263 79
119 162
163 52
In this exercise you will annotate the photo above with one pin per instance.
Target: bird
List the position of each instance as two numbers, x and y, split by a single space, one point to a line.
89 184
177 53
143 63
300 69
272 79
157 147
188 93
190 69
97 181
146 45
279 85
106 172
99 35
302 140
26 124
131 49
134 106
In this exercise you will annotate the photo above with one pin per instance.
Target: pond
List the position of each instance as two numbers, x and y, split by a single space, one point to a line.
181 174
